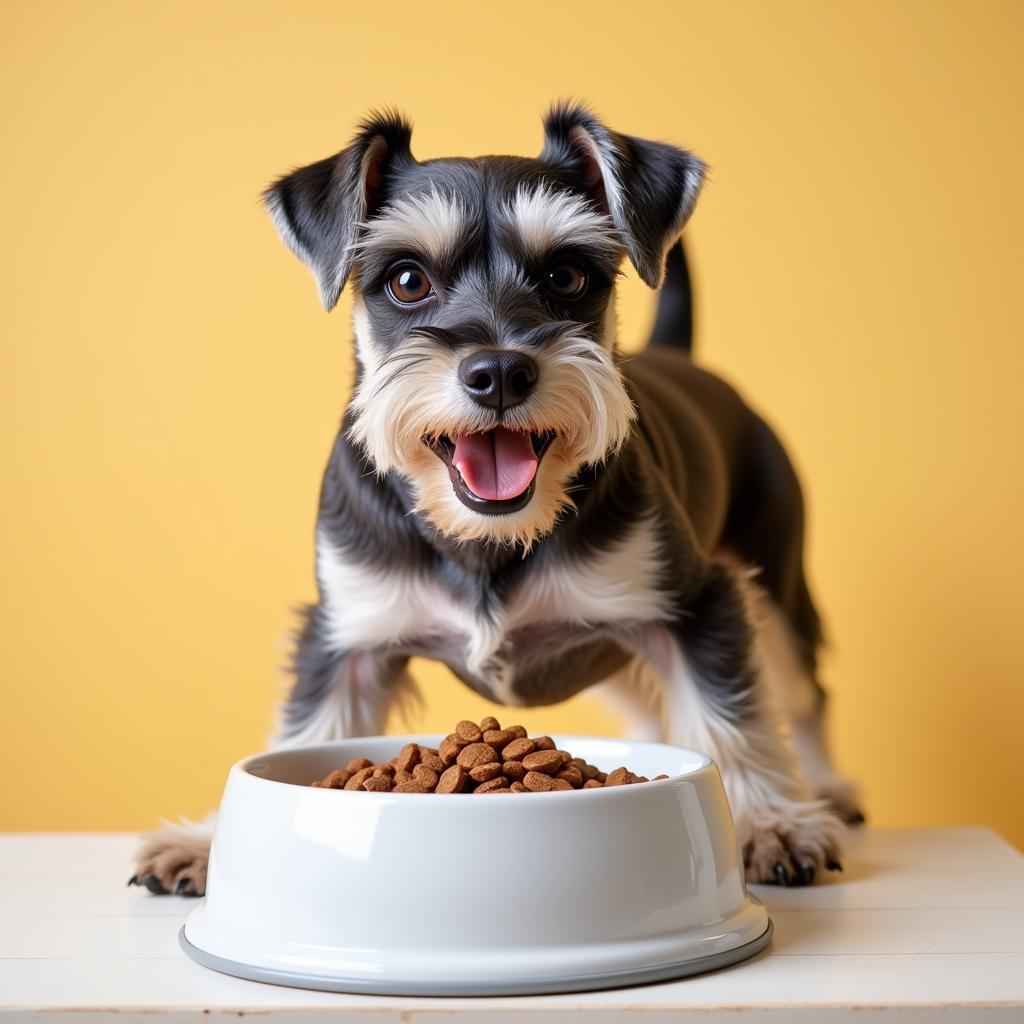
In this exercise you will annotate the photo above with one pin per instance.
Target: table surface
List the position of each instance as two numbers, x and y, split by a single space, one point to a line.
925 924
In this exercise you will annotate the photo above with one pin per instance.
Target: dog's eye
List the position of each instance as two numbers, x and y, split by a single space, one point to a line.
567 281
409 284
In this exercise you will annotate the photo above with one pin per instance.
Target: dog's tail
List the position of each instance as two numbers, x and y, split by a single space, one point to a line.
673 324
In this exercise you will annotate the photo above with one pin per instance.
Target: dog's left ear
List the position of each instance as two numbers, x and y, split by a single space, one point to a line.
647 188
318 210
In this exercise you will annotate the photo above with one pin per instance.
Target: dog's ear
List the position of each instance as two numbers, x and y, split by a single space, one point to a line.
318 210
647 188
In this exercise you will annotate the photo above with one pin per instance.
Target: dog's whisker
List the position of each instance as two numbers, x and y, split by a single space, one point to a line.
400 372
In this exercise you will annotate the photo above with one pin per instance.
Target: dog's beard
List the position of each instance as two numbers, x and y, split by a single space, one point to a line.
411 401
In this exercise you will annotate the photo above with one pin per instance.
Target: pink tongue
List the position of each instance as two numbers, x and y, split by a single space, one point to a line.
496 465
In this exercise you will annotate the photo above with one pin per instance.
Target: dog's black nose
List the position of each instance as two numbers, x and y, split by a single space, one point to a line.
498 379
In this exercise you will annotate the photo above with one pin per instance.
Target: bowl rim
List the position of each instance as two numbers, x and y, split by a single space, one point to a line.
244 766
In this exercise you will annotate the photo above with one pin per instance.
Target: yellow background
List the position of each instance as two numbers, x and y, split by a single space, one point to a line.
170 386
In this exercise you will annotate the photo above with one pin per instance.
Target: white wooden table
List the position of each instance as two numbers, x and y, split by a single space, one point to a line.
925 924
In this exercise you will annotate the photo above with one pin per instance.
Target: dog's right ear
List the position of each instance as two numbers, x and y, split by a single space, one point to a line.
318 210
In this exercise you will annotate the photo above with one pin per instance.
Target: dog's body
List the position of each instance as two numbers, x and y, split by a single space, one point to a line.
511 498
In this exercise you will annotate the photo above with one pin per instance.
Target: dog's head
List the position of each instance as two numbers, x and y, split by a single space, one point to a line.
484 306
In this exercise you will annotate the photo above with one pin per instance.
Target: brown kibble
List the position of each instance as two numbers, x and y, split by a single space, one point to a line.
425 776
468 731
485 772
337 779
480 758
357 780
408 758
453 780
410 787
493 786
518 749
537 782
477 753
498 738
448 752
546 761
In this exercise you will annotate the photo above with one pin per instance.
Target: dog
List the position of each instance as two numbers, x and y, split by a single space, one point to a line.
510 496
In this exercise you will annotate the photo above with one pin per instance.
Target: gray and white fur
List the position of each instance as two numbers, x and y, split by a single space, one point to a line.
657 550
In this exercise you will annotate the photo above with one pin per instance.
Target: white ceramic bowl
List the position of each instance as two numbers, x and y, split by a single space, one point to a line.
419 894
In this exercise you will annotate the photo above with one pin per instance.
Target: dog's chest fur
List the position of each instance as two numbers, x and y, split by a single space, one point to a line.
562 625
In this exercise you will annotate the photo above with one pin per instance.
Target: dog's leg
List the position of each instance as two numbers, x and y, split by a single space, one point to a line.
635 694
336 694
803 702
340 693
716 702
173 859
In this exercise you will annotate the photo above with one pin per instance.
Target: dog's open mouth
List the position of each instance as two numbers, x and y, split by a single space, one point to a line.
494 471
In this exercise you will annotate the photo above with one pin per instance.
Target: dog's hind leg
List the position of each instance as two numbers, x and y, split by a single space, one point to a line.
765 531
336 694
803 703
716 701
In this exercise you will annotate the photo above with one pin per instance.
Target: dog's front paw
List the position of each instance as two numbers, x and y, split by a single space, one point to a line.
174 860
792 847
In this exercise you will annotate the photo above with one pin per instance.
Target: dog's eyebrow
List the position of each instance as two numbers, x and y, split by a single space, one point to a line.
544 219
432 224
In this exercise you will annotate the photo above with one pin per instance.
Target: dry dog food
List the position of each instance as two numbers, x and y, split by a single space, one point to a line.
481 759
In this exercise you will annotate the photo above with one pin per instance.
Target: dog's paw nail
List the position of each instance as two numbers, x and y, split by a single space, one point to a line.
807 874
833 865
134 880
781 874
183 883
152 883
856 818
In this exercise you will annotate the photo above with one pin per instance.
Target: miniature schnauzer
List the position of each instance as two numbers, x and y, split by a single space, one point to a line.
510 496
